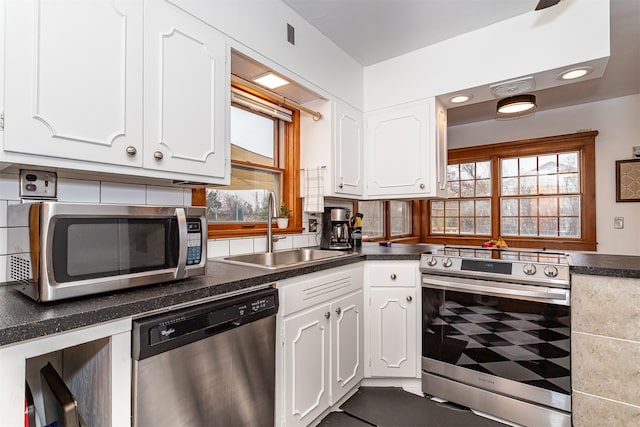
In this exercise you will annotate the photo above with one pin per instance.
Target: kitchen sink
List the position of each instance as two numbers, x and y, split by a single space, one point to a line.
289 258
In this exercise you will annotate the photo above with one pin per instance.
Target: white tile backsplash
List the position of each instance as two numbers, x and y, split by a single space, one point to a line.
78 190
217 248
259 244
187 197
3 213
171 196
119 193
240 246
283 244
3 240
300 241
9 187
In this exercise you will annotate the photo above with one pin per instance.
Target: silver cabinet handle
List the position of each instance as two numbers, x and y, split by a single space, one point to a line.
393 276
131 151
338 311
327 314
158 155
422 186
409 298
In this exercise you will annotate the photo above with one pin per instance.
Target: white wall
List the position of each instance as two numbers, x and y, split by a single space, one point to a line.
258 28
618 123
572 32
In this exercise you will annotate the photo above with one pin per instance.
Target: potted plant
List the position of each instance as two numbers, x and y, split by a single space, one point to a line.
283 216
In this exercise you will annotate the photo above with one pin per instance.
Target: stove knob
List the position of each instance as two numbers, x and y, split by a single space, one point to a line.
432 261
447 262
529 269
551 271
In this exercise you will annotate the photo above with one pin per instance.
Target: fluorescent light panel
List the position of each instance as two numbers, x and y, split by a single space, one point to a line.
270 80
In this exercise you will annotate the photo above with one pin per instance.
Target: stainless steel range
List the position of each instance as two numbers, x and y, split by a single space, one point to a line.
496 330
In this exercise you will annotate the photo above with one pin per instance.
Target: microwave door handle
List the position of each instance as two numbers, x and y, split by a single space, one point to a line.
182 239
497 291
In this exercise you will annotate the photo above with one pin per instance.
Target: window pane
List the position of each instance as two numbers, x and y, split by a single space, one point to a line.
483 187
528 185
509 226
509 186
437 225
451 208
509 167
528 166
548 184
528 226
467 208
483 207
549 227
400 218
569 227
509 207
252 137
467 171
453 189
437 208
528 207
548 206
245 199
483 226
466 226
453 173
373 219
570 206
568 183
451 226
483 170
467 188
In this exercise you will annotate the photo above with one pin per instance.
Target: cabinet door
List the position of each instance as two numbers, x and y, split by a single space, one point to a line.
400 143
186 98
306 365
348 152
346 343
393 319
73 79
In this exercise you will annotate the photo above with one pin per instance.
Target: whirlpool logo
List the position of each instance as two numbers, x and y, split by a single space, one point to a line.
486 381
166 333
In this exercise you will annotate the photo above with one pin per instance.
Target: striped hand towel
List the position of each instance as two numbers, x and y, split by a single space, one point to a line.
313 190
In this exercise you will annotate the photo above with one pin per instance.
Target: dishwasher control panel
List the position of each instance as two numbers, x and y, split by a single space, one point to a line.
163 332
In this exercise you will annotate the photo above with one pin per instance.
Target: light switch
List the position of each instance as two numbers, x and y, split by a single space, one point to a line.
618 222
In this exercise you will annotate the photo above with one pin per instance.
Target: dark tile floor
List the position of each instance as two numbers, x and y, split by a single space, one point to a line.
394 407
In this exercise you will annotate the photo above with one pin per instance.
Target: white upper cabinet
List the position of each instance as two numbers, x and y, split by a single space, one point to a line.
73 79
406 146
79 75
186 97
348 151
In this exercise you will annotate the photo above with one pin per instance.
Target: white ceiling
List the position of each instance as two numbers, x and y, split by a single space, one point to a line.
375 30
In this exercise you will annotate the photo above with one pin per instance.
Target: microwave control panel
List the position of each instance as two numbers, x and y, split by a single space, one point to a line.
194 241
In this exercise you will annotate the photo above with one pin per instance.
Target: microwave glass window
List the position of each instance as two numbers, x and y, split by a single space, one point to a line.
92 248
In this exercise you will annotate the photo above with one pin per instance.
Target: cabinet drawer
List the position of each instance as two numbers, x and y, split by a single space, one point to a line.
393 274
306 291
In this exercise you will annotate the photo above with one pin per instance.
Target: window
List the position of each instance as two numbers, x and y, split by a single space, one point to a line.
264 158
254 169
534 193
386 220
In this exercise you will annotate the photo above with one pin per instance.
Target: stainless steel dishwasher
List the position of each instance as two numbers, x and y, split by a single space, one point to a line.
208 365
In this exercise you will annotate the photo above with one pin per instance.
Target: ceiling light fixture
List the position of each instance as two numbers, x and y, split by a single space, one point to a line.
516 104
575 73
458 99
270 80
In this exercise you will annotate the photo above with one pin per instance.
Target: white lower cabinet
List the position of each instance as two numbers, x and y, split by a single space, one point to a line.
320 356
393 340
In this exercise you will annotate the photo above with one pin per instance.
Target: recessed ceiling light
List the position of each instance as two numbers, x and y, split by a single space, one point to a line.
270 80
575 73
458 99
516 104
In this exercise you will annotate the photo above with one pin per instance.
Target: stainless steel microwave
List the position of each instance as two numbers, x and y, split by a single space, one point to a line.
65 250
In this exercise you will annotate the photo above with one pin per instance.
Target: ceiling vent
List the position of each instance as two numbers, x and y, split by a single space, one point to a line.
513 87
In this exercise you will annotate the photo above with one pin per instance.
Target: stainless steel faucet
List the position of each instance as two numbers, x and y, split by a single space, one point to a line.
272 208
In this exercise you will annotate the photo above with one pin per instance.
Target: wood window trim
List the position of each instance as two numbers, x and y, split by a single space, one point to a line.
410 238
584 142
290 186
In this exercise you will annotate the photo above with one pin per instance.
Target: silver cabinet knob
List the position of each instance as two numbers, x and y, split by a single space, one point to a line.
131 151
422 186
393 276
327 314
340 185
409 298
158 155
338 311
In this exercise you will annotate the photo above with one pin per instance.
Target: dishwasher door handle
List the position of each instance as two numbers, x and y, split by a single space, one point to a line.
222 327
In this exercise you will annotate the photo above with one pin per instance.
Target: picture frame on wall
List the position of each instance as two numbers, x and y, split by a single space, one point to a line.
628 180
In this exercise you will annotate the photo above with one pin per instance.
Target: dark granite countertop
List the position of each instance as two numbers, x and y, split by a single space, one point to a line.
604 265
22 319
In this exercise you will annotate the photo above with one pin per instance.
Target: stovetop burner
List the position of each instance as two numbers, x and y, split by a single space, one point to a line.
529 266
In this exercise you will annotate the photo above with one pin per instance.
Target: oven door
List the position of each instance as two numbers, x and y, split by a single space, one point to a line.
505 338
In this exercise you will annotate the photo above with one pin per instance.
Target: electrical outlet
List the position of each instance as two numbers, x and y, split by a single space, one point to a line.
38 184
618 222
313 225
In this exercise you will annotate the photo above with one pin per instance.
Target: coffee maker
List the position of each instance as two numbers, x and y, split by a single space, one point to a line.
335 229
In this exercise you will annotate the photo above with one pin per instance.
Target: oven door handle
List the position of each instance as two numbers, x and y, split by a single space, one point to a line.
556 296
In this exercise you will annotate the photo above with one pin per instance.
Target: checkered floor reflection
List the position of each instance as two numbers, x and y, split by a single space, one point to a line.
528 348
